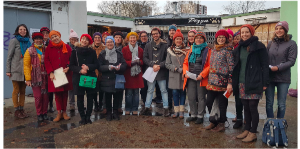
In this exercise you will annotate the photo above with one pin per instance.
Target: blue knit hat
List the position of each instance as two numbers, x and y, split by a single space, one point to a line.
110 37
173 27
97 33
236 33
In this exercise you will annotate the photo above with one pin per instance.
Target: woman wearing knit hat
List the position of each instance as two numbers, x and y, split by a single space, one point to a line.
58 55
230 39
220 78
36 75
197 62
111 63
84 62
98 46
73 38
250 78
282 52
133 56
236 39
174 63
15 69
104 35
191 37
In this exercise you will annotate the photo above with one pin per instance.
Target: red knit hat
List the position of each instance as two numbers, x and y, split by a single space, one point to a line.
155 28
178 34
200 34
87 36
251 28
105 33
45 29
230 32
37 35
222 32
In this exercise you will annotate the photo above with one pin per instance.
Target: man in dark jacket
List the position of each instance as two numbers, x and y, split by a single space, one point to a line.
155 54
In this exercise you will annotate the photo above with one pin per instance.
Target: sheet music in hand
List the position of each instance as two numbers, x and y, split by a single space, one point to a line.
60 78
150 75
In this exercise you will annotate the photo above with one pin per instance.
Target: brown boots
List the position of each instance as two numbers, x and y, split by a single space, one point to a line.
19 114
219 128
61 116
247 136
243 135
210 126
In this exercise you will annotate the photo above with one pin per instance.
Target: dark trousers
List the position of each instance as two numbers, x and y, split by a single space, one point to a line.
238 108
80 104
100 103
223 103
50 99
251 114
117 96
143 91
170 94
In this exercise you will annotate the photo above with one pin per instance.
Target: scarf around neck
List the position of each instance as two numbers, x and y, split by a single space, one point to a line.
136 69
219 46
59 45
248 41
196 51
24 44
111 55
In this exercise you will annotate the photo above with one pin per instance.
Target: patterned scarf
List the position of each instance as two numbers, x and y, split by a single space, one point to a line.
219 46
196 51
38 72
136 69
111 55
61 44
24 44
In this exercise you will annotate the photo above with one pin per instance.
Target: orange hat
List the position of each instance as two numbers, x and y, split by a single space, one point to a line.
54 32
178 34
251 28
134 34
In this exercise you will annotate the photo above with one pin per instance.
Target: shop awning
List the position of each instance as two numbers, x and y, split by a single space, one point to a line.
182 28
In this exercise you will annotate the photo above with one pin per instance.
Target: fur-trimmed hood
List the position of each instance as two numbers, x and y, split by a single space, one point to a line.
183 51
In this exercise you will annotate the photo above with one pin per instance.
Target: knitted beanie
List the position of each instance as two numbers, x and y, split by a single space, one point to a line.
251 28
284 24
87 36
194 31
142 32
73 34
54 32
236 33
105 33
155 28
118 33
134 34
109 38
230 32
97 33
178 34
45 29
37 35
173 27
200 34
222 32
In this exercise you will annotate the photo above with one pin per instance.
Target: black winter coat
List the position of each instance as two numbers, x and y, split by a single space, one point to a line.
257 69
88 57
108 78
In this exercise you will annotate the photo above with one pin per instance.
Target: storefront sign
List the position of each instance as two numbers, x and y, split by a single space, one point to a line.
182 21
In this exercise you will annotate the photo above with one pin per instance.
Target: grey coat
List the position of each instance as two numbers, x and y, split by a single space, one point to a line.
283 55
148 58
14 62
175 77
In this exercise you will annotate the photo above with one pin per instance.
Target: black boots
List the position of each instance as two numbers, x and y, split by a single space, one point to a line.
45 117
40 118
238 124
108 116
116 115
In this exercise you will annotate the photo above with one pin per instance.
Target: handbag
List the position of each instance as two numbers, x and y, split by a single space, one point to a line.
120 81
274 132
86 81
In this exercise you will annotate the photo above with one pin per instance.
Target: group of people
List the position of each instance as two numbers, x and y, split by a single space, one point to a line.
235 63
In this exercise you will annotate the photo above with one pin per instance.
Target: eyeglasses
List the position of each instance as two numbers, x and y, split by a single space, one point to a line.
155 34
143 36
97 37
221 37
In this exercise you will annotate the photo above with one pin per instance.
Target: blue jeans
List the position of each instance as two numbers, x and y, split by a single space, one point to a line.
131 99
163 88
179 96
282 90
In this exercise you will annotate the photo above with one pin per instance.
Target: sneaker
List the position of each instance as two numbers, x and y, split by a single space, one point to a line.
147 111
199 121
189 119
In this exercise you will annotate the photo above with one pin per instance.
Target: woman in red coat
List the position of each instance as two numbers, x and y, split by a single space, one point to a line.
133 56
58 55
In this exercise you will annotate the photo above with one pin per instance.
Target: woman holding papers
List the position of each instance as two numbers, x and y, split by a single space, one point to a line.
219 78
111 63
250 78
133 56
84 62
36 75
174 62
57 56
197 62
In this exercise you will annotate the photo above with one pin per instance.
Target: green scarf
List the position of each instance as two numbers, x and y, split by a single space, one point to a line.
196 51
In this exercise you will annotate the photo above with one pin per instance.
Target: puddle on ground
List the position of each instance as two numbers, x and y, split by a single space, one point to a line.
38 124
53 131
49 145
11 130
68 126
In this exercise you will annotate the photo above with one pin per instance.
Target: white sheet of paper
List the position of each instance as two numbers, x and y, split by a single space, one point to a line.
60 78
191 75
150 75
270 66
